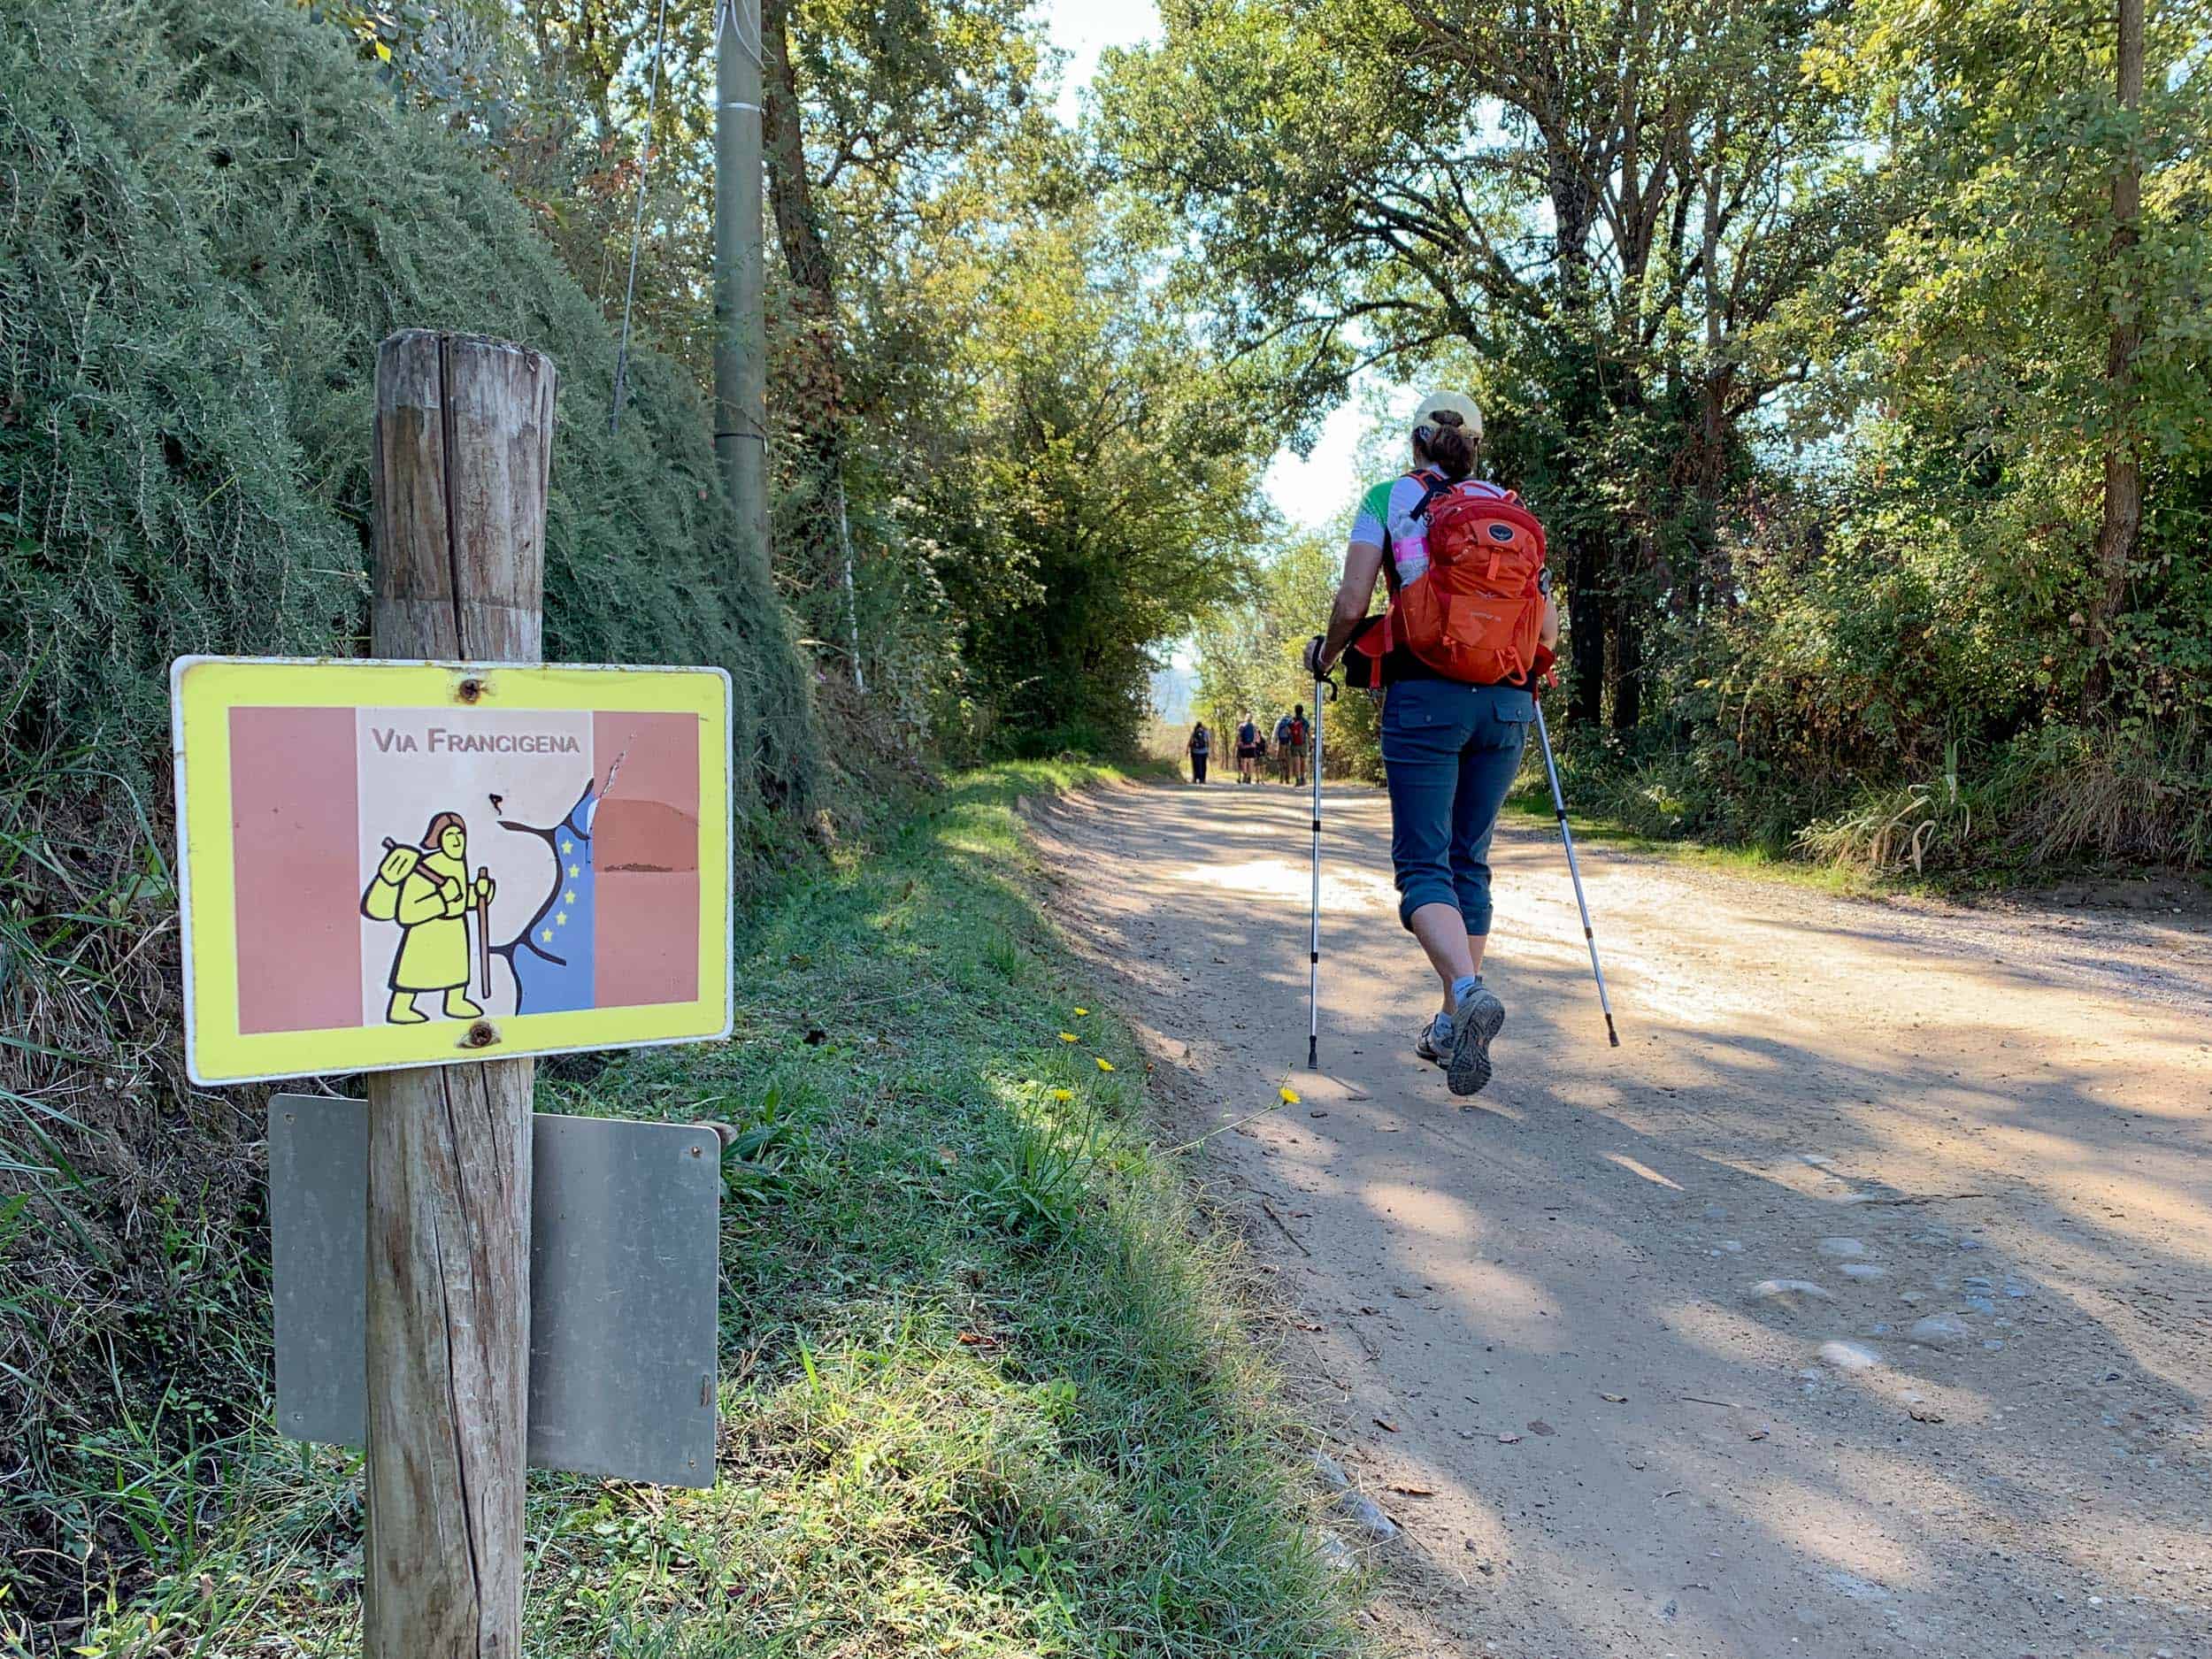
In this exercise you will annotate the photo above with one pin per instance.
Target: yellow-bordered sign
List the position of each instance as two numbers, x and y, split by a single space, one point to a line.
415 863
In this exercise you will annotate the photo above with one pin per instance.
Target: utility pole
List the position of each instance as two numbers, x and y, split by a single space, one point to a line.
741 368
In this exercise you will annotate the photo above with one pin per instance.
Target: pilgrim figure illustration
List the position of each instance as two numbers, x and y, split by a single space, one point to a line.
428 892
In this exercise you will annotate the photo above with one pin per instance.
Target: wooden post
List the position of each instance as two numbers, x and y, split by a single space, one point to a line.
464 445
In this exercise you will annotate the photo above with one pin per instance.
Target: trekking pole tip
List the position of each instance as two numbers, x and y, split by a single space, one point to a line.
1611 1036
1313 1054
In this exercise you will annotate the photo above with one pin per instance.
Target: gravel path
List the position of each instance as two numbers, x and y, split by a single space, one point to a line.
1860 1304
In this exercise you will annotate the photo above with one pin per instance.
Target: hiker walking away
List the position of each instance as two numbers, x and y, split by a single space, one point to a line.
1248 748
1296 750
1282 748
1453 549
1201 746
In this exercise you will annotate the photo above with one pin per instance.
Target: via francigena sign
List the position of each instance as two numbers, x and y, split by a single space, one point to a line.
414 863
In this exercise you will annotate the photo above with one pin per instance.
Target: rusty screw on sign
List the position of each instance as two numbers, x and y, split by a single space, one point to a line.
482 1035
470 689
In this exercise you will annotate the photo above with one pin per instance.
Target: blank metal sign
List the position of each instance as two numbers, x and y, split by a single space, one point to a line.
625 1246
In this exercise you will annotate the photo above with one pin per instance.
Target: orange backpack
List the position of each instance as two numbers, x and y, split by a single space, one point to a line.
1476 614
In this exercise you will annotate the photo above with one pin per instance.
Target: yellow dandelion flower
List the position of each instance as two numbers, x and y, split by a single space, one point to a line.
1290 1097
1064 1094
1080 1013
1105 1065
1067 1036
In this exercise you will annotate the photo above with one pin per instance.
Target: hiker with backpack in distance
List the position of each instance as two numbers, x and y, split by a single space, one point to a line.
1470 624
1249 749
1282 748
1295 749
1199 748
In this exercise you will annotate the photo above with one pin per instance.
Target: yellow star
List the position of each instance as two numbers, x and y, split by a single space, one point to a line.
561 920
547 935
567 847
573 870
569 897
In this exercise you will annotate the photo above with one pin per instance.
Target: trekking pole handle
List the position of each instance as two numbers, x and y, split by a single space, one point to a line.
1325 688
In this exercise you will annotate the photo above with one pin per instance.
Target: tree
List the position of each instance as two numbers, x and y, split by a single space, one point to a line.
2039 352
1601 206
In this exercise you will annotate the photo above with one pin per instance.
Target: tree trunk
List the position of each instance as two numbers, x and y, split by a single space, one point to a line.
1628 670
1588 625
790 186
2123 522
806 257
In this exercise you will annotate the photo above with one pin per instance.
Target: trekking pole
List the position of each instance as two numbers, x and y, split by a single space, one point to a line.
1559 804
1324 689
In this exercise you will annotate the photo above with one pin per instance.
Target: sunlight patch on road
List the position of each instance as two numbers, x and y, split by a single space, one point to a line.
1644 1170
1280 879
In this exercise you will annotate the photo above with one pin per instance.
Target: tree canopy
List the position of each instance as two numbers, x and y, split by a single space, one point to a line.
1855 355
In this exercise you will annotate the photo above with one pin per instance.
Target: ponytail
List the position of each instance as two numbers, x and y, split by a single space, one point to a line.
1444 442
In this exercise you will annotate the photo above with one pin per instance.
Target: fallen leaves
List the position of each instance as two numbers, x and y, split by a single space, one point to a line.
1386 1425
1407 1489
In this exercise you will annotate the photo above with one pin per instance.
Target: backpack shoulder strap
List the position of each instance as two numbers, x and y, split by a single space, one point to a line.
1434 484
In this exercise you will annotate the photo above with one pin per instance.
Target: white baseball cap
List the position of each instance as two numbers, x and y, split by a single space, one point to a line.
1450 403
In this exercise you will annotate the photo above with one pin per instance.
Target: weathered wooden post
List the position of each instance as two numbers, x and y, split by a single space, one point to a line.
464 443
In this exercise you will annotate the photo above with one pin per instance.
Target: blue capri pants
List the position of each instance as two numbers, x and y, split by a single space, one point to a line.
1450 753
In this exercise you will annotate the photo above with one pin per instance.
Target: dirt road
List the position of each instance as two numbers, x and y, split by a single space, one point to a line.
1860 1304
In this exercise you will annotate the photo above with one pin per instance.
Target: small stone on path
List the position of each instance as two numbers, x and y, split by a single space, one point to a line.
1939 1330
1368 1515
1787 1293
1849 1356
1842 1249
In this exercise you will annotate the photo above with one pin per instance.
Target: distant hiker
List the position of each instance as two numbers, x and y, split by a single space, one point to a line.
1282 748
1201 745
1294 751
1459 698
1249 748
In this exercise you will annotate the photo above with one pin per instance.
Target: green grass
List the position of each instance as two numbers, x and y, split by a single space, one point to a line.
984 1390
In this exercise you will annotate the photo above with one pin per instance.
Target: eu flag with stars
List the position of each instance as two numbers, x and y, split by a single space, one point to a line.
552 959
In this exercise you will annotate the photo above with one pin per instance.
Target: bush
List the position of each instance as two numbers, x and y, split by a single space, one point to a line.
212 214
